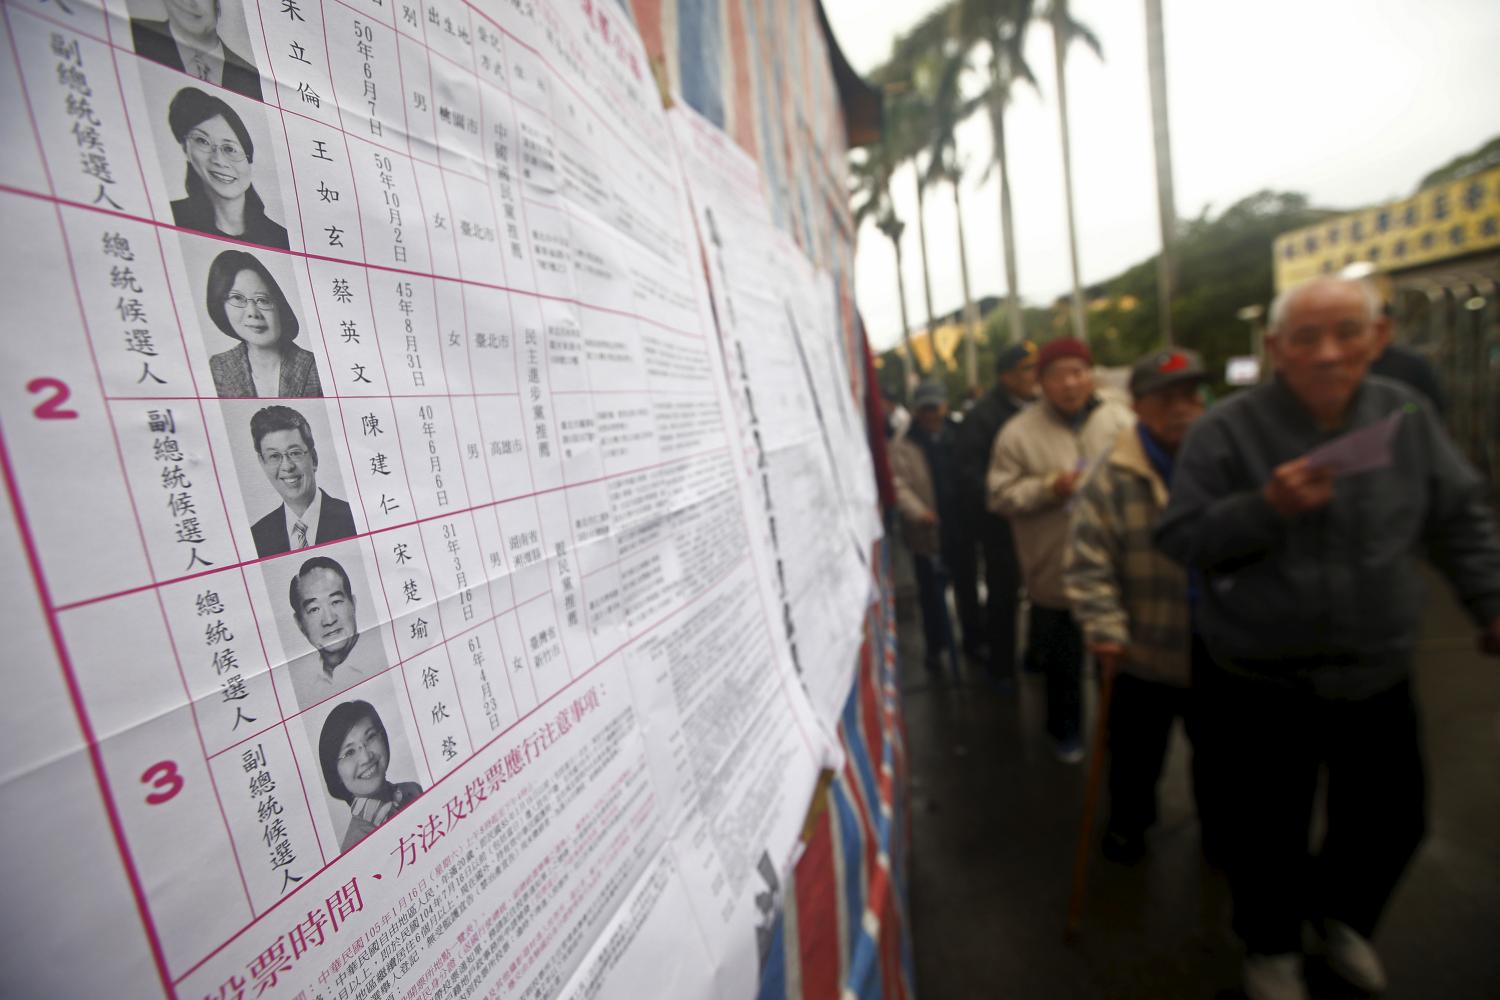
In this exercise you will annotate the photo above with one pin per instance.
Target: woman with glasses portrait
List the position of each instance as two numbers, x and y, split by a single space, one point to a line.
246 304
221 200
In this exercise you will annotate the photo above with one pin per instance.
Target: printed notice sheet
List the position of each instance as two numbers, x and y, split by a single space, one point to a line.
396 611
799 432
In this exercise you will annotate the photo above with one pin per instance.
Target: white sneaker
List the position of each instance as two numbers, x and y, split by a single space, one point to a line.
1351 955
1274 977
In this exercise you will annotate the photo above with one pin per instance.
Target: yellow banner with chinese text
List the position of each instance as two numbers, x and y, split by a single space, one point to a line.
1444 221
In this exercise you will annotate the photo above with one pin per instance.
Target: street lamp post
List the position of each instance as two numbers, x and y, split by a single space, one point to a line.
1255 316
1166 203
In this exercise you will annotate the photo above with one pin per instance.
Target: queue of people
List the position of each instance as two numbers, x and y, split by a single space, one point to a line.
1226 568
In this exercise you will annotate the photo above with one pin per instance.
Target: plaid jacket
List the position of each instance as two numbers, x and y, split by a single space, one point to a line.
1121 588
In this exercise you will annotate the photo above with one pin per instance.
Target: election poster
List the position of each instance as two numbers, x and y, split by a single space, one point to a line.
396 609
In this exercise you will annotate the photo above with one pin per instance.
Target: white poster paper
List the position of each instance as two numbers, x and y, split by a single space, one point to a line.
388 619
798 428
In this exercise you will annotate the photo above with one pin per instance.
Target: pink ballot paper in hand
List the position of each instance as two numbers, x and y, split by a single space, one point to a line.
1363 450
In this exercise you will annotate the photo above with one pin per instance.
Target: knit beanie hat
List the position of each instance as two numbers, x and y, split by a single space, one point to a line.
1063 347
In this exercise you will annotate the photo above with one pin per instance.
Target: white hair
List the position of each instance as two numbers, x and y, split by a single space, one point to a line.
1282 304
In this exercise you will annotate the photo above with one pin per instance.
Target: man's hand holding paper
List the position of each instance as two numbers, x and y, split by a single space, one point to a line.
1364 450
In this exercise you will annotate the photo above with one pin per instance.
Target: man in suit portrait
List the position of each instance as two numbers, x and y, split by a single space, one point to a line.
288 457
188 41
322 602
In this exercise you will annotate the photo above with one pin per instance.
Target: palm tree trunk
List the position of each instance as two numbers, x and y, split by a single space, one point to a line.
922 242
1165 201
971 320
1007 233
1060 50
911 354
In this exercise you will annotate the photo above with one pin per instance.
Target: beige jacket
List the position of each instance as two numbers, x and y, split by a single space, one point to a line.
1033 449
915 495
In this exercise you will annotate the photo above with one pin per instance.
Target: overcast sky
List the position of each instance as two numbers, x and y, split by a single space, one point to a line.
1348 101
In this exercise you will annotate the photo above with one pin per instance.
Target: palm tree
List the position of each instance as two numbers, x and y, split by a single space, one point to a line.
871 176
892 227
921 179
999 27
904 78
948 109
951 171
1064 30
907 119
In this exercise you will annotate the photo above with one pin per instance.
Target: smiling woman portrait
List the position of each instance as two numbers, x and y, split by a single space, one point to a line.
221 200
246 304
355 753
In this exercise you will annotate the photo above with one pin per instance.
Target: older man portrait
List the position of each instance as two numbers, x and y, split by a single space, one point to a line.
323 605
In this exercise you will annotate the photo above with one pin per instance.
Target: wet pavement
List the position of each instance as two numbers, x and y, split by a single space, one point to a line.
995 823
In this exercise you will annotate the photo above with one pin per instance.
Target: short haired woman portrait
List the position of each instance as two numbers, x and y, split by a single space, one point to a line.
221 200
355 753
246 304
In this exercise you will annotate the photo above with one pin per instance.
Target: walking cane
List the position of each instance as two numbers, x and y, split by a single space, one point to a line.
1090 803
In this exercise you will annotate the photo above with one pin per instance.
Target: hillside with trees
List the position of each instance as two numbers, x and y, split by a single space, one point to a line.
966 59
1223 265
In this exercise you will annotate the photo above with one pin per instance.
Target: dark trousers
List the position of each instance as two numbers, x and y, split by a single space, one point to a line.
962 556
1140 728
1057 643
1141 714
1002 581
1270 742
932 587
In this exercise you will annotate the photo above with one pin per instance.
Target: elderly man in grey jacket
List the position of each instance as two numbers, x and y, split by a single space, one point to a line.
1311 608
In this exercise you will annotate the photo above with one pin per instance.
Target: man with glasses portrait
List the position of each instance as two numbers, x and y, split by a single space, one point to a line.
307 516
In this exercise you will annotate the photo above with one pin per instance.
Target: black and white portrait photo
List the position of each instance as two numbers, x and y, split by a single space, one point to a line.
324 604
189 36
257 356
366 764
217 151
283 477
